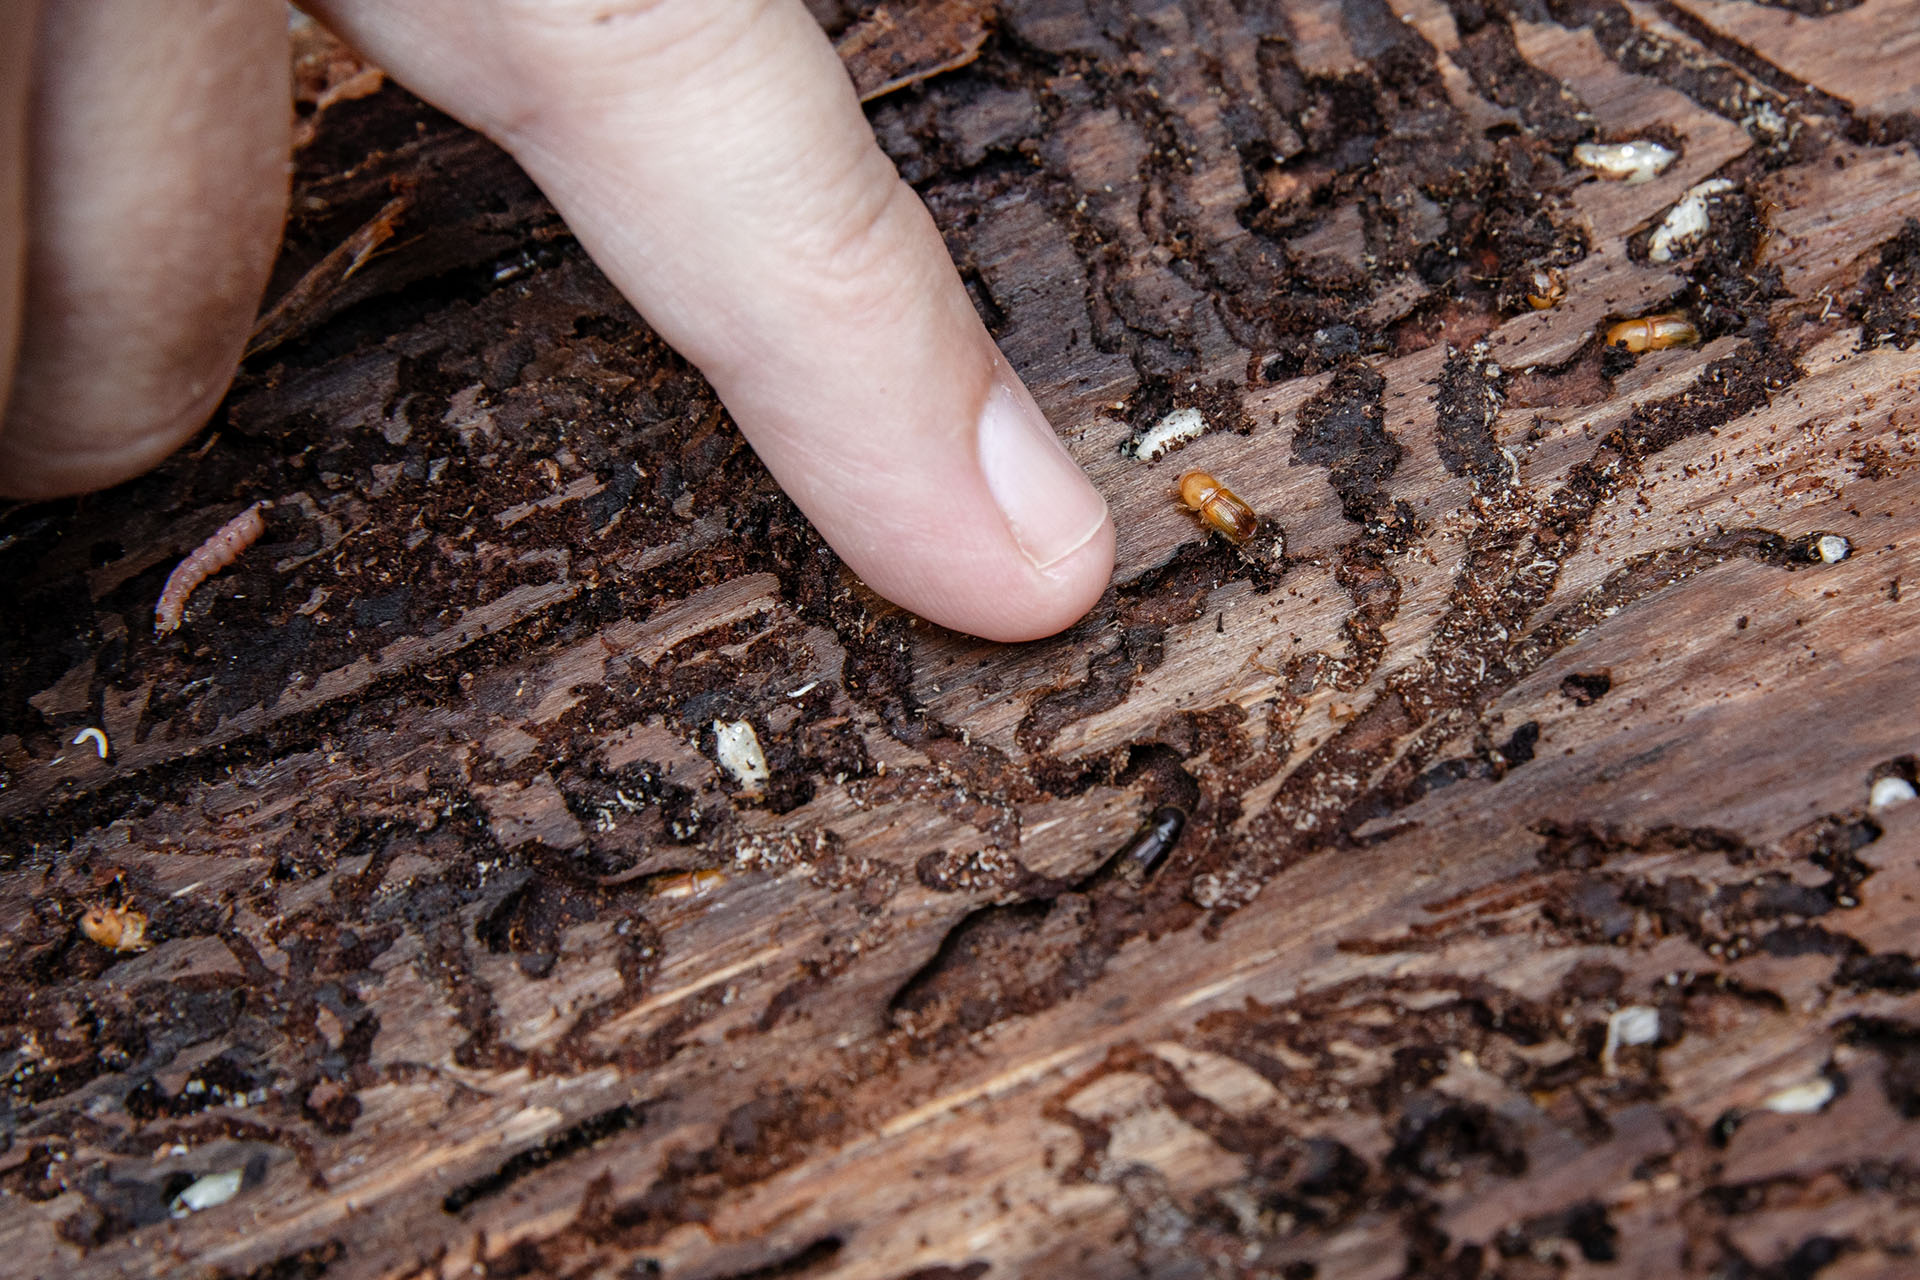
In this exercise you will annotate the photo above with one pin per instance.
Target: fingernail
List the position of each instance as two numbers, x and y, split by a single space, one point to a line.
1049 505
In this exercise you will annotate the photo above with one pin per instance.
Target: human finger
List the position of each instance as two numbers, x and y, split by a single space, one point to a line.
713 158
155 134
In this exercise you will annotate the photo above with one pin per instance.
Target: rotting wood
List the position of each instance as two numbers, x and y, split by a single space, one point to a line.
1546 717
892 46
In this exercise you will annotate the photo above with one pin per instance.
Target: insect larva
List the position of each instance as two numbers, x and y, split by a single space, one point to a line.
116 928
1628 162
1217 507
1140 855
1546 288
1653 333
1687 223
205 560
689 884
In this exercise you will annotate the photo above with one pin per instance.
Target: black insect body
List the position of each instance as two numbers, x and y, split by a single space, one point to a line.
1151 843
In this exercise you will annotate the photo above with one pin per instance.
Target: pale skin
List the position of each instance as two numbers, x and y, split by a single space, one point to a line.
709 154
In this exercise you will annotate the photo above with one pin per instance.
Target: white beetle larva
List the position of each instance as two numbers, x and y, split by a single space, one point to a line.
1628 162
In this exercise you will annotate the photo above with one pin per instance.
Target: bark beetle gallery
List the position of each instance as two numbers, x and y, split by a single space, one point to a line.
535 855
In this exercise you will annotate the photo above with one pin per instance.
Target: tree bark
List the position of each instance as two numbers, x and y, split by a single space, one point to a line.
1544 904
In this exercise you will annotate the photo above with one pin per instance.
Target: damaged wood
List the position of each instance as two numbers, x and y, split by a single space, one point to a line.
897 45
1528 870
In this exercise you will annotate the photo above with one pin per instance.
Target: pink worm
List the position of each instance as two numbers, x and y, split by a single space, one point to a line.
207 559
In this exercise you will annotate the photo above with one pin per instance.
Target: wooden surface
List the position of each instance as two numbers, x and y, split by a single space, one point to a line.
1535 714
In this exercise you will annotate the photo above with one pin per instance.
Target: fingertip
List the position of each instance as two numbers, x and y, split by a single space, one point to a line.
993 531
732 188
149 232
16 62
1056 597
40 461
1050 508
1055 519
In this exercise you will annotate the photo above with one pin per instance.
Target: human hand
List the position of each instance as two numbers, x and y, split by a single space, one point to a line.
709 154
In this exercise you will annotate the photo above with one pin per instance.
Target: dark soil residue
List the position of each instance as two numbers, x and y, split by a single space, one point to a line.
1469 400
1550 109
1888 307
1344 430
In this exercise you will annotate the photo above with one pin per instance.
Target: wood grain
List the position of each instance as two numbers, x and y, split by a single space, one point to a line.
1542 706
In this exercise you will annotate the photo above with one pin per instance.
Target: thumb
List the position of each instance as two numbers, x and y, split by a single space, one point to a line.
712 157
